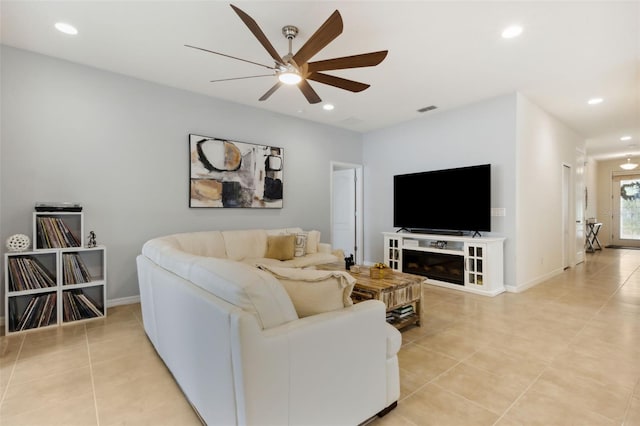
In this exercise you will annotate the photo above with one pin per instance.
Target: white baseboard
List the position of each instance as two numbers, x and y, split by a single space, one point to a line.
123 301
533 283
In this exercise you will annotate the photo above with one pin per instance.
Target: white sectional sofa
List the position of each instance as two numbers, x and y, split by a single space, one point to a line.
244 353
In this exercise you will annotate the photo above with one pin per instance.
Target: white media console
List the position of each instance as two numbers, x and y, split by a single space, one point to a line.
462 263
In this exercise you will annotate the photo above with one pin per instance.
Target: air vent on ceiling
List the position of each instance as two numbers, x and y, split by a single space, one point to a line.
428 108
352 121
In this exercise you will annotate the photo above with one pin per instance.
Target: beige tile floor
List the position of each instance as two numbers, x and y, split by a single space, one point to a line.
566 352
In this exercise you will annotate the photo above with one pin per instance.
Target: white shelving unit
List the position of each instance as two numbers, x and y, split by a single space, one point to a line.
480 260
54 286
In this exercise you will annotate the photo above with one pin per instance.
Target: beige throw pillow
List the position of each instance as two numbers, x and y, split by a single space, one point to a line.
301 244
313 239
281 247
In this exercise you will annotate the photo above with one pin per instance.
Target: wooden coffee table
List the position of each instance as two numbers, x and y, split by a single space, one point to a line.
396 289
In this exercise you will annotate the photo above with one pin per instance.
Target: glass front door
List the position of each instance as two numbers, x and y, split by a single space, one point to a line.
626 210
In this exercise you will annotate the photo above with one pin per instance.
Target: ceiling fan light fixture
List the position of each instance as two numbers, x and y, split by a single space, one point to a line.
628 165
289 77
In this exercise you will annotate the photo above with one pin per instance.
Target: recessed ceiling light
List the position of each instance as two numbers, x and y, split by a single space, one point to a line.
595 101
625 138
512 31
66 28
327 107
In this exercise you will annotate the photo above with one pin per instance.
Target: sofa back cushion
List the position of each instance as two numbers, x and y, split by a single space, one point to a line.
248 288
245 243
204 243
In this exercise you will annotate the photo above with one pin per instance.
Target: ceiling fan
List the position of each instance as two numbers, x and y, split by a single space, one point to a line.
295 68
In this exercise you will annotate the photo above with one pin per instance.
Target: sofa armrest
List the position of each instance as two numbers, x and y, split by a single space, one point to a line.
338 357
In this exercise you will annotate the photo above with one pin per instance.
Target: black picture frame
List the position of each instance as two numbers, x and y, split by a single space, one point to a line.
226 173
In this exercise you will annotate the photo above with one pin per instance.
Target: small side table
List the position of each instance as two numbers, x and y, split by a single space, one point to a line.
593 243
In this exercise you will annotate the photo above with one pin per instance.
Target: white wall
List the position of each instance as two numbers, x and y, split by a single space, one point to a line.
476 134
526 147
544 145
118 145
593 198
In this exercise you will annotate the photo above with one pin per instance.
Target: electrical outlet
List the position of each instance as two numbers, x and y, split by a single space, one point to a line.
498 211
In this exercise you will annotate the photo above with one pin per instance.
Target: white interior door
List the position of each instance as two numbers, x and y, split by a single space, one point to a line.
567 223
346 205
344 211
581 205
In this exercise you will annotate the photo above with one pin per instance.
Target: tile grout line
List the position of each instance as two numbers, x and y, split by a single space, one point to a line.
548 364
629 402
443 372
93 385
515 401
13 369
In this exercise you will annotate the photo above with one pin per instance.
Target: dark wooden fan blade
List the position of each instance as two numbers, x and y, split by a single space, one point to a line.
242 78
331 29
308 92
257 32
229 56
355 61
341 83
270 91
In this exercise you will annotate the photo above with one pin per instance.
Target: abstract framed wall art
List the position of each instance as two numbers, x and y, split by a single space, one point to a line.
231 174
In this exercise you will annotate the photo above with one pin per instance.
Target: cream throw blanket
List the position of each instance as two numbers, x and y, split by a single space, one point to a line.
313 291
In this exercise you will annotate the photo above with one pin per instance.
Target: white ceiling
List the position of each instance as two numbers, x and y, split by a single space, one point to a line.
446 53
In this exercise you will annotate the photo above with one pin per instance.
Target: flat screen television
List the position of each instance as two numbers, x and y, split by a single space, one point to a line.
451 200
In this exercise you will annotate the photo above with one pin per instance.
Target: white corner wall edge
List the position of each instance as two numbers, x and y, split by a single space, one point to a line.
110 303
532 283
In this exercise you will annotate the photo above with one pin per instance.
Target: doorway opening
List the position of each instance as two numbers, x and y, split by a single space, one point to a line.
625 209
346 209
567 222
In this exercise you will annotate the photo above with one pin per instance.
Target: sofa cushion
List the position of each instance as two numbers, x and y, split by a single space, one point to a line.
297 262
301 244
313 239
245 243
248 288
204 243
283 231
313 292
281 247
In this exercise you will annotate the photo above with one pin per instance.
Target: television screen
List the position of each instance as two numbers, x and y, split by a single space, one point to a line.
444 200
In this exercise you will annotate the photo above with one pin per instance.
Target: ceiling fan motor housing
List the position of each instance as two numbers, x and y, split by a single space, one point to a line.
290 31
